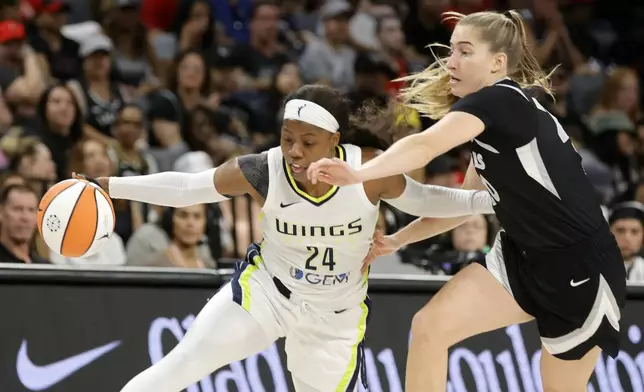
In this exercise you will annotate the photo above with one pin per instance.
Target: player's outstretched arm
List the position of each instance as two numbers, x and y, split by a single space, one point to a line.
407 154
433 201
174 189
423 228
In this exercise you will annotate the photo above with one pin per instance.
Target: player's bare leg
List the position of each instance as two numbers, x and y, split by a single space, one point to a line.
472 302
567 376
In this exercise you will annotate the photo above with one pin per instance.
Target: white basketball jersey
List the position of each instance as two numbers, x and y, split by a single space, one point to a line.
316 246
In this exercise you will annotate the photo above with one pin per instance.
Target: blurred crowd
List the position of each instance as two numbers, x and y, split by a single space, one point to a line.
130 87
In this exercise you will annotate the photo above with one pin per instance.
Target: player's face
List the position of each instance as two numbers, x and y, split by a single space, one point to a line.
629 234
303 143
189 224
471 65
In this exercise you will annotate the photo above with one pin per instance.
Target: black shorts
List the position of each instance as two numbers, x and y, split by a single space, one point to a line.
575 294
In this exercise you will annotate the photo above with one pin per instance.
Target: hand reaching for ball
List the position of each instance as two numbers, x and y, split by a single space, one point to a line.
103 182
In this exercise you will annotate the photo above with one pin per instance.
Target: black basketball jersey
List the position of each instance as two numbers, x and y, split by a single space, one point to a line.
540 192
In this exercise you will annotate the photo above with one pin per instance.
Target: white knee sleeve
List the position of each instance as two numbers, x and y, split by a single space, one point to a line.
222 333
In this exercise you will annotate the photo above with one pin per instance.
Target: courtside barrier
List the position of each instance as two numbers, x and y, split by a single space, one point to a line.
88 329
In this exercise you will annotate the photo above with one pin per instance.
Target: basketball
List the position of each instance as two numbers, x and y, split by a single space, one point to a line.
75 218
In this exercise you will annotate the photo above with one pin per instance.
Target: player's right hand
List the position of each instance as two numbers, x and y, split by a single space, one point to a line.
382 245
103 182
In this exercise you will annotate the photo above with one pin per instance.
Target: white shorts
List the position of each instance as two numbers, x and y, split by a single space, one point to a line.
325 349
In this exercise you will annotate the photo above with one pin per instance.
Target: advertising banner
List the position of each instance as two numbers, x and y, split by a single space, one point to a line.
93 337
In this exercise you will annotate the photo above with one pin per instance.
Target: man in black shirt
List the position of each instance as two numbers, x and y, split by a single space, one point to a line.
18 208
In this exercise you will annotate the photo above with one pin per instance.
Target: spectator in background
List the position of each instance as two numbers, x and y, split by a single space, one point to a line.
186 228
424 25
209 131
261 58
194 25
613 142
90 157
257 63
21 79
57 55
98 94
392 43
33 162
133 57
18 209
548 34
362 25
287 80
189 80
621 92
331 60
233 18
627 224
165 118
372 75
129 157
61 125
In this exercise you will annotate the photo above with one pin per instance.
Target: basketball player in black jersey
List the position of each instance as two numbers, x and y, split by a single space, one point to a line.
555 260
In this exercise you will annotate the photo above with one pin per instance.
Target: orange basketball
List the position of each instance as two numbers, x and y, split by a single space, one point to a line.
75 218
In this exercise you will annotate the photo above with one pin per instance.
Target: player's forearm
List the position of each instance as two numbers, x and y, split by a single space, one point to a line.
423 228
170 189
407 154
441 202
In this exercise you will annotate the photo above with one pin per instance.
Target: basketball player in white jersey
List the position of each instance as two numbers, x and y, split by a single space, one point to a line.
304 282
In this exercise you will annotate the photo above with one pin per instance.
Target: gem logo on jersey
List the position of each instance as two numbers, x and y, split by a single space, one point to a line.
319 279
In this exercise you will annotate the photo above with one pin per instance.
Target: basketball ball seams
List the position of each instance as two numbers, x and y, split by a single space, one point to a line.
81 217
109 201
62 242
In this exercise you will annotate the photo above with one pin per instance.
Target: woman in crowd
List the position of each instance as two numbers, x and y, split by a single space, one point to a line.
99 94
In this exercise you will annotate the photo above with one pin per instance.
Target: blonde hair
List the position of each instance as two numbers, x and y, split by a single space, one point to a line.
429 91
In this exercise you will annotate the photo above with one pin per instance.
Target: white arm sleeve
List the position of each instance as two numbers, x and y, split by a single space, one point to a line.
169 189
433 201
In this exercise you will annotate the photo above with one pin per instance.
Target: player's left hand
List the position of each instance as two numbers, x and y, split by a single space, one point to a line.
382 245
332 171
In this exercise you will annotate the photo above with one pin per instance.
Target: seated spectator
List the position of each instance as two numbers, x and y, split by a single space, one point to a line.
186 228
193 26
32 161
330 60
627 224
90 157
57 55
18 210
621 92
128 156
372 76
613 142
165 120
98 94
232 20
134 59
211 131
21 80
391 38
61 125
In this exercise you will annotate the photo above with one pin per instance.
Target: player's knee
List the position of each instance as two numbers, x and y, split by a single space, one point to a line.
427 325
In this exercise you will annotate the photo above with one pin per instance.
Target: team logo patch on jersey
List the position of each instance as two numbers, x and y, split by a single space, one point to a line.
296 273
